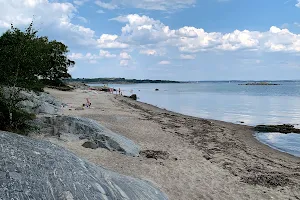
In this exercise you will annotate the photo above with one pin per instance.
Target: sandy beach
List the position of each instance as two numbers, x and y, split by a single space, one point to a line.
197 158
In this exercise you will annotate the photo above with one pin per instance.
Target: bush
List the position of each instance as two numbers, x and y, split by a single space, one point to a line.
13 118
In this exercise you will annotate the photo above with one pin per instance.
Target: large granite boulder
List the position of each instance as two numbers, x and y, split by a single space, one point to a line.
33 169
87 129
39 103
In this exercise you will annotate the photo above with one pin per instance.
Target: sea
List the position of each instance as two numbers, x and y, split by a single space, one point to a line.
231 102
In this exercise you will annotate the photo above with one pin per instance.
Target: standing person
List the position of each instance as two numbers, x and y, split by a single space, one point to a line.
119 91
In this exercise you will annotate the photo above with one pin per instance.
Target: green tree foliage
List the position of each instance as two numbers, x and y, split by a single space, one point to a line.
27 61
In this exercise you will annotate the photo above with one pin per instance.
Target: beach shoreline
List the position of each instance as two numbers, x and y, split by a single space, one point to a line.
207 159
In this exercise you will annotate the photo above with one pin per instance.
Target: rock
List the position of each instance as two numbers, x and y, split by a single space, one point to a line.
285 128
90 145
155 154
39 103
156 89
88 128
35 169
134 97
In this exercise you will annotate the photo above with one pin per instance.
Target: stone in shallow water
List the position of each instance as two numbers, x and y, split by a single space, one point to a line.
33 169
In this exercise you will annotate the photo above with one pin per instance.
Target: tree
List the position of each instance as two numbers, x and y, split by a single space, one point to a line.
26 59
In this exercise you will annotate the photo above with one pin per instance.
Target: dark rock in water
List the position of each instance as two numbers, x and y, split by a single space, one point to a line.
34 169
87 129
90 145
156 89
285 128
134 97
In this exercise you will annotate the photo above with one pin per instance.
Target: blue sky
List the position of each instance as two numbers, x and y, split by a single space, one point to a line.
169 39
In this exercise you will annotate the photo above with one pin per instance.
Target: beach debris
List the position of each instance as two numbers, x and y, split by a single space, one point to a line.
285 128
155 154
87 129
56 173
133 96
79 108
267 180
90 145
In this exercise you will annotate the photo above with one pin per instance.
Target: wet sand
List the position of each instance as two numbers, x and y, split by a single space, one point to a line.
197 158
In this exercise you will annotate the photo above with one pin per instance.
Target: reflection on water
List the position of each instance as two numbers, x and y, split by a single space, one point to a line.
289 143
225 101
230 102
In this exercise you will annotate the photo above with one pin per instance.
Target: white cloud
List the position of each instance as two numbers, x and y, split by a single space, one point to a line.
125 56
145 31
162 5
164 62
187 57
109 6
106 54
52 17
80 2
92 57
75 56
110 42
149 52
298 4
124 63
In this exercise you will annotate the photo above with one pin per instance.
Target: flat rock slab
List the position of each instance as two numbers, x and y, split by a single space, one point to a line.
34 169
87 129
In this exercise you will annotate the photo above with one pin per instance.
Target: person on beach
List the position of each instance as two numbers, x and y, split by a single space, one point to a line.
88 103
119 91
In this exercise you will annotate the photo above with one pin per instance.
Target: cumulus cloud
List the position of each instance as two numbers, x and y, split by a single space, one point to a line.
110 42
90 57
75 56
164 62
298 4
125 56
80 2
48 16
162 5
143 30
106 54
109 6
124 63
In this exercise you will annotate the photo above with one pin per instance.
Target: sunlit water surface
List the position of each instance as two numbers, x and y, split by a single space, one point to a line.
230 102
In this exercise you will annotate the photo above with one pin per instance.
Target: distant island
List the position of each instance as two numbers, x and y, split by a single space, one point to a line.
118 81
260 83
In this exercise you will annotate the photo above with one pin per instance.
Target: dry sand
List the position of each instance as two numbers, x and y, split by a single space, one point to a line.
207 159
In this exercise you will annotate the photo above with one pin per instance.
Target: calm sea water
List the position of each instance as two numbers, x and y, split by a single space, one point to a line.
229 102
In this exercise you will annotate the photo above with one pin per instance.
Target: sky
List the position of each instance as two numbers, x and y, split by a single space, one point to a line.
169 39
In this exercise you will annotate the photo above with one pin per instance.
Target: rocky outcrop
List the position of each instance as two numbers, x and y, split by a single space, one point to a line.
87 129
33 169
39 103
